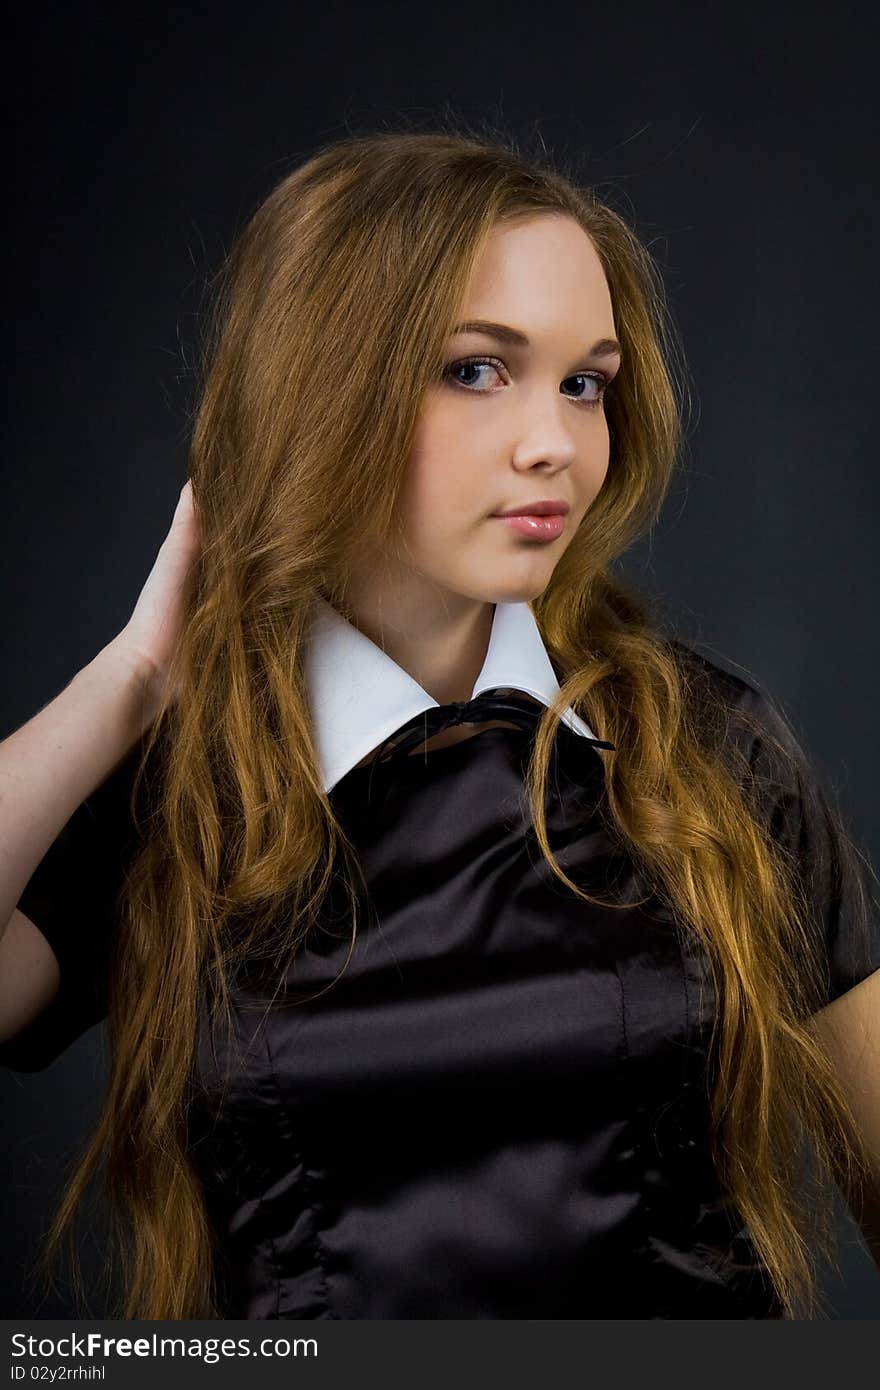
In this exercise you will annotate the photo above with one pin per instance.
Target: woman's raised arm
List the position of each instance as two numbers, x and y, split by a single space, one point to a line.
51 764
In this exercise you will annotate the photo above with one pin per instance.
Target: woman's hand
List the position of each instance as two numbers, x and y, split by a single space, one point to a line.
150 637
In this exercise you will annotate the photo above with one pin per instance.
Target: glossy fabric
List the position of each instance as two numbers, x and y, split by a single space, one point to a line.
497 1108
495 1111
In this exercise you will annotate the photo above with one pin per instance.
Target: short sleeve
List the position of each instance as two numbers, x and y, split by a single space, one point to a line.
838 880
71 897
840 883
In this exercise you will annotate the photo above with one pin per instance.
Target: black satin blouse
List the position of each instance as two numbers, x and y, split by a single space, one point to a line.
499 1107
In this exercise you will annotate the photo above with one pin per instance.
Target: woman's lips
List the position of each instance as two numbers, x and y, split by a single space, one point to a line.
536 528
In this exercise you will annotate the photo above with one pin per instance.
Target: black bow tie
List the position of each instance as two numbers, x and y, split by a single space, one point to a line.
499 703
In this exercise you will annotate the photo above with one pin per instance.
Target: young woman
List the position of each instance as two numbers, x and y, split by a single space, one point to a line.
471 947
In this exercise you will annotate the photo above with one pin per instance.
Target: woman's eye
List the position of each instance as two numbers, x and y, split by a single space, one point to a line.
471 365
593 388
596 382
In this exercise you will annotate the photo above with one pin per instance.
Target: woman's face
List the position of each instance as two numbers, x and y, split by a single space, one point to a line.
523 424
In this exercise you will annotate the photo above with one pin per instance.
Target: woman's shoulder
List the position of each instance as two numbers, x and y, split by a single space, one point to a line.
719 673
741 714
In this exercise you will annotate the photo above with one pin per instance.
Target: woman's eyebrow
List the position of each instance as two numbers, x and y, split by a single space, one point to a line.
605 347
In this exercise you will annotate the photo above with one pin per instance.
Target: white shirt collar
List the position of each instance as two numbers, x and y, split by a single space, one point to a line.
359 696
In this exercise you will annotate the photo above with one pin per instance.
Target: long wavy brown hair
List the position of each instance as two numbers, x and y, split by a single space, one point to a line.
328 327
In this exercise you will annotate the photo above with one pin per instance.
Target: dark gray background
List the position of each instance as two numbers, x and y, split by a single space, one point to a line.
743 146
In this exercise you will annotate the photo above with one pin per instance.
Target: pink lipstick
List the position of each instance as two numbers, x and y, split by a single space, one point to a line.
539 521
